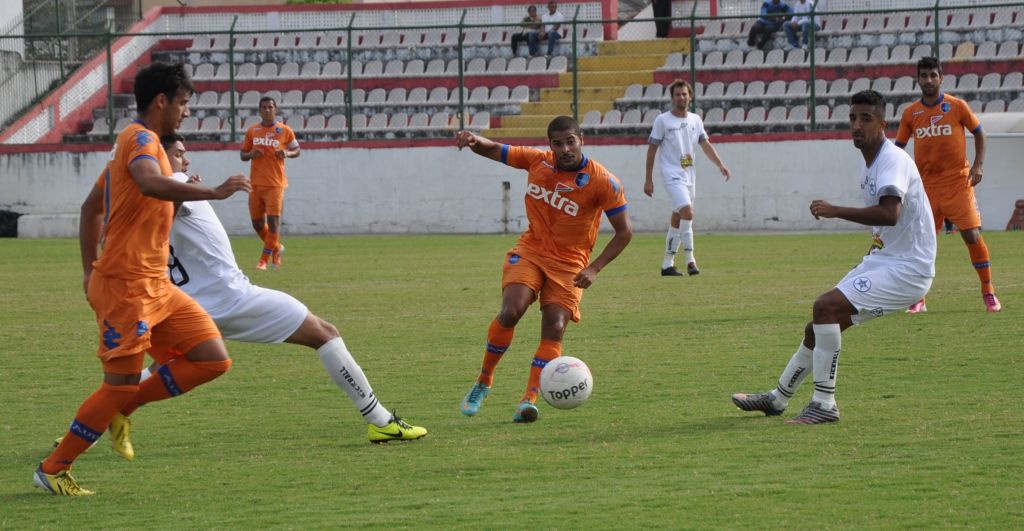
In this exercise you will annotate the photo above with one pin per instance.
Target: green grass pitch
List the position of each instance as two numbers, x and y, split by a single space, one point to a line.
931 432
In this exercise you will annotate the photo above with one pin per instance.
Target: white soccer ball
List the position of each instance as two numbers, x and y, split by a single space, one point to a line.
566 382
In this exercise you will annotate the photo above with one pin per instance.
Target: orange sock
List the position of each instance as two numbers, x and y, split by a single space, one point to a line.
176 378
263 232
547 351
271 242
979 257
498 340
91 420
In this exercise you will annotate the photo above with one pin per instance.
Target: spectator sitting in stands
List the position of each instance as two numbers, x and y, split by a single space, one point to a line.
531 25
773 15
801 22
550 32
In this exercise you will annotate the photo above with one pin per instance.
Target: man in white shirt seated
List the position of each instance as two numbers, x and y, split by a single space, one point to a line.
550 32
801 22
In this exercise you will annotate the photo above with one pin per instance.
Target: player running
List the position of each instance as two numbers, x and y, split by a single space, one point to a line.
566 193
137 308
267 144
937 122
674 139
897 270
203 265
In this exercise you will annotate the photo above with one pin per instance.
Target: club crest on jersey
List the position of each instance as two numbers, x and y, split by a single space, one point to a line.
944 107
563 188
582 179
277 130
552 198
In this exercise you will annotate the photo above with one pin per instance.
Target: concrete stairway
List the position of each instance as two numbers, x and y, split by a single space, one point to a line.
600 80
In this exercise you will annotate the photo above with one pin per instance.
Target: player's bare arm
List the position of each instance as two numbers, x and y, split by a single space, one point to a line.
979 158
652 152
152 183
885 213
484 147
623 234
89 226
712 154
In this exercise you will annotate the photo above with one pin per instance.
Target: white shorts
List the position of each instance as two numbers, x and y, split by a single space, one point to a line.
261 316
681 194
880 289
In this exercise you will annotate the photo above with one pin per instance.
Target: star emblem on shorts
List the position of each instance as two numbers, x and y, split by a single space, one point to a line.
862 284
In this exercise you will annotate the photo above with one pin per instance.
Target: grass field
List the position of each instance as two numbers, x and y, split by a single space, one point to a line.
931 433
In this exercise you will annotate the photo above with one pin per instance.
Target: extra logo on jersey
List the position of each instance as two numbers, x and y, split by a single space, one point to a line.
553 199
266 141
935 129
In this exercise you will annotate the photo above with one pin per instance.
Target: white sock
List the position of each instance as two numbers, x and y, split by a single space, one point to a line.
672 241
827 344
793 375
146 373
686 232
347 375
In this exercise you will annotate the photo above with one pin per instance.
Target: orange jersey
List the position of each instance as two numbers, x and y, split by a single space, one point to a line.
563 207
268 170
136 228
940 145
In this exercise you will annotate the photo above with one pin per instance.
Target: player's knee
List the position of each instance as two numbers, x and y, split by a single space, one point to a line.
213 369
326 331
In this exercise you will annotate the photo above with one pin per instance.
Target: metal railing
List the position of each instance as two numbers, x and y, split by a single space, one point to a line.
599 75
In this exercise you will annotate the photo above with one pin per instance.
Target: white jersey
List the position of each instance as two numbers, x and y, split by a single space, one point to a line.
911 242
202 262
677 140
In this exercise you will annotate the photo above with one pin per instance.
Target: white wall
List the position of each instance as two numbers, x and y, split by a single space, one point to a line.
442 190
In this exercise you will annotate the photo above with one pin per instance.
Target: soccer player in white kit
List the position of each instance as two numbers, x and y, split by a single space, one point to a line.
203 265
896 272
674 138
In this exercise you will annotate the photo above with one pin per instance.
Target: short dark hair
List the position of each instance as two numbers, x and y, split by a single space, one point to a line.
872 98
679 83
929 63
531 8
168 140
564 123
160 78
267 98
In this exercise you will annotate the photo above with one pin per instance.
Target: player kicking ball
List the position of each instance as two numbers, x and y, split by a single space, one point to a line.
203 265
566 194
897 270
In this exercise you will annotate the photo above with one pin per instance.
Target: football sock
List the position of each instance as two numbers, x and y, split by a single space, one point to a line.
828 341
792 376
146 373
177 377
91 420
498 340
672 241
270 243
263 232
979 257
348 376
547 351
686 233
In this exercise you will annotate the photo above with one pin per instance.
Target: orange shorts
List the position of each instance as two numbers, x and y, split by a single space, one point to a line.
266 201
555 285
955 203
147 314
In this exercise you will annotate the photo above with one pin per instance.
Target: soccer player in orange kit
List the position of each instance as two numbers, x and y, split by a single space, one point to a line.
566 193
267 144
937 122
137 307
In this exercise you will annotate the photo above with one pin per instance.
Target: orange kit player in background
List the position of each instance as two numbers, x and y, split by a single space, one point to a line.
267 144
566 193
137 307
937 122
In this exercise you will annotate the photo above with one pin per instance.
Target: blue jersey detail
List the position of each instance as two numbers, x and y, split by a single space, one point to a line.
615 211
150 157
110 336
141 328
514 259
504 153
143 138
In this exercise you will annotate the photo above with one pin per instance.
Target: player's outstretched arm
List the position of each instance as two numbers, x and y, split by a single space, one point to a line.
484 147
147 176
89 226
885 214
623 234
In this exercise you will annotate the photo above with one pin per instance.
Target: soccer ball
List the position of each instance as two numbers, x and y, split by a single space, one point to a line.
566 382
